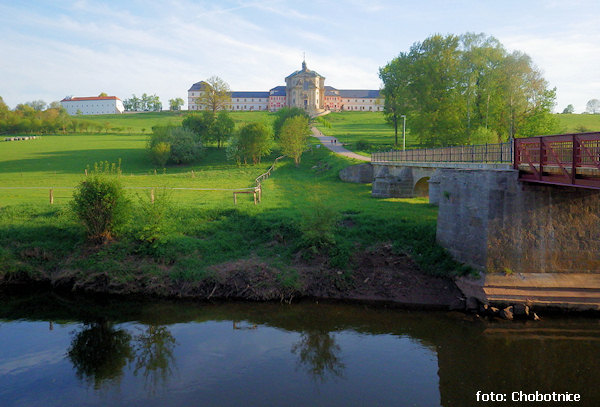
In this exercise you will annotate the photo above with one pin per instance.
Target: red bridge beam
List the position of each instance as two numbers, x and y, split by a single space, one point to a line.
565 159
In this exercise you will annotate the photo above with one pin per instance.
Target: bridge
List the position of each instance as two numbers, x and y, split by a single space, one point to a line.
525 213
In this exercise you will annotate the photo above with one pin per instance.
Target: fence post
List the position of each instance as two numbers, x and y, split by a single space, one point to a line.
51 196
152 195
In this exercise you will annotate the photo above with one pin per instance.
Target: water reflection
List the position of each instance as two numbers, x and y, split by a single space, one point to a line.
154 358
308 354
99 352
319 355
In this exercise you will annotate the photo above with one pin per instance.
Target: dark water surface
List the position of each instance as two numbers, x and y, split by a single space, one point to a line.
64 351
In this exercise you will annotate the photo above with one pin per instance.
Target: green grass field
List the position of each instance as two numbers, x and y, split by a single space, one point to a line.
351 127
203 227
142 123
576 123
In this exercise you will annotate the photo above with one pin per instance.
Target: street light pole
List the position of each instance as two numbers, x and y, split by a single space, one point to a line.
403 132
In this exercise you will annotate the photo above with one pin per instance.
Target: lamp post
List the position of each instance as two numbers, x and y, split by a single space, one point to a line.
403 132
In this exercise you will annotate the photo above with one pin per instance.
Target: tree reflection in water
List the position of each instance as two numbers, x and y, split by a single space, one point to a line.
319 355
154 356
99 352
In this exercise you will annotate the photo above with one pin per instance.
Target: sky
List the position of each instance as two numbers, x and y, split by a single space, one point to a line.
52 49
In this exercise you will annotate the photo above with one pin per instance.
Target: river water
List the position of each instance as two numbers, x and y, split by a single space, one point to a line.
64 351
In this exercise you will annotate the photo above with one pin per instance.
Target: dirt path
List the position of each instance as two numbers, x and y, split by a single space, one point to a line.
337 148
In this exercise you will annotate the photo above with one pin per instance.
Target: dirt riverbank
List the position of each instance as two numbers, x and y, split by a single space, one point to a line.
377 274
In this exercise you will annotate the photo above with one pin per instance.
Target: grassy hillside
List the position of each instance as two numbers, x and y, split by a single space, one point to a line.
351 127
203 228
136 122
576 123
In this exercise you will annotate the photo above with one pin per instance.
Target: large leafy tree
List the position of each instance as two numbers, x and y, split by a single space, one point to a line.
456 89
215 95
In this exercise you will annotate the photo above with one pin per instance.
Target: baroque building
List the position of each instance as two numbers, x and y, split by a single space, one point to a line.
304 89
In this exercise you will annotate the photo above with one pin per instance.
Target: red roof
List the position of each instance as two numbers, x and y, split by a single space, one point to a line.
76 99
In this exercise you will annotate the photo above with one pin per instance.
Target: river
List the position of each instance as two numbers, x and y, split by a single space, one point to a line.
58 350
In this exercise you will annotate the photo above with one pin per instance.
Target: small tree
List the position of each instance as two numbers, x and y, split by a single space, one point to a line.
201 125
175 104
593 106
283 114
569 109
294 137
99 202
223 128
255 141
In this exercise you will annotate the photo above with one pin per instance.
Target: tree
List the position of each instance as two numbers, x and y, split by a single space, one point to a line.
103 95
569 109
55 105
395 79
294 137
215 95
285 113
254 142
593 106
201 124
450 87
175 104
223 128
183 145
37 105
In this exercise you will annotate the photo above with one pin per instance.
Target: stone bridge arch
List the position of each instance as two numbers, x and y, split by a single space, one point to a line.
395 181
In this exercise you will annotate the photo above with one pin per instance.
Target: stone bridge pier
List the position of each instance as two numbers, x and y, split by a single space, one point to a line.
532 243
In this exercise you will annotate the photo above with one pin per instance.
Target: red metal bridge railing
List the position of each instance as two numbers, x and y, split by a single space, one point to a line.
566 159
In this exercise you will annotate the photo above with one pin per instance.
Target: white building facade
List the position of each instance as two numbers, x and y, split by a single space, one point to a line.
304 89
93 105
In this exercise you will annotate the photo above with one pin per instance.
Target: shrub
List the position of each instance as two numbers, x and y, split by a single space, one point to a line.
318 225
160 153
184 147
362 145
150 221
100 204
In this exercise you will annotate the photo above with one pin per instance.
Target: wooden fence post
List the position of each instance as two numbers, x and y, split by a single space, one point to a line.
234 198
152 195
51 196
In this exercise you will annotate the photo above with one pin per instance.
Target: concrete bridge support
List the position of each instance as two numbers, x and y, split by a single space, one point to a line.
538 243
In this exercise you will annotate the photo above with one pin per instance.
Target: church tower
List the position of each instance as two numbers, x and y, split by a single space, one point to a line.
306 89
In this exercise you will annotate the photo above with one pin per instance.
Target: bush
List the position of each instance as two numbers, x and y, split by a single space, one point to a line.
362 145
100 204
318 225
150 221
160 153
184 146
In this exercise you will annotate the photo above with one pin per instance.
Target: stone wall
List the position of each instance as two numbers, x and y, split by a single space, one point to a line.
360 173
493 222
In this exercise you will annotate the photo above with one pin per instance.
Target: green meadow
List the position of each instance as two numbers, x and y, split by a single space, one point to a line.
202 227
